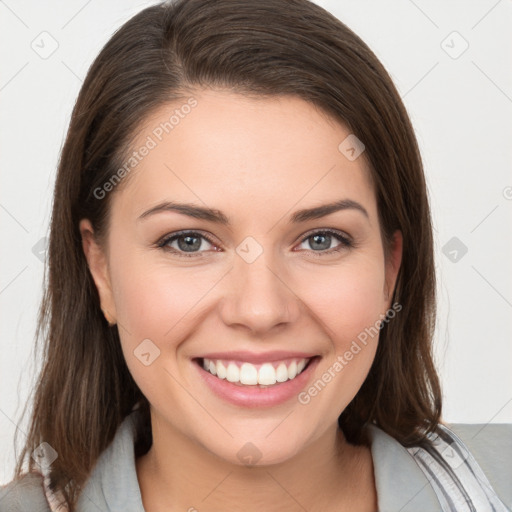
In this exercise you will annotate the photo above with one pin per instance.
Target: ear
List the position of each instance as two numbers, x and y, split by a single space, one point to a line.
393 263
98 266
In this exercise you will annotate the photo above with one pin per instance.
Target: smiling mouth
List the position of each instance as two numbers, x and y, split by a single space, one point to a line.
242 373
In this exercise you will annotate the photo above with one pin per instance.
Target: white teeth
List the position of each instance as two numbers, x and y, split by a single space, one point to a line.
250 375
267 375
221 370
292 370
282 373
233 373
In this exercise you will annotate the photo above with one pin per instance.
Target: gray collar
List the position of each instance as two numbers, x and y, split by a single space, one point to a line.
113 484
401 484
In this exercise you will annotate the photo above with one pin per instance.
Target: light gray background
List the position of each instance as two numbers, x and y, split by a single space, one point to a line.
460 106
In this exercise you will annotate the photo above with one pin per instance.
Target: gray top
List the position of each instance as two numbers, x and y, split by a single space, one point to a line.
402 485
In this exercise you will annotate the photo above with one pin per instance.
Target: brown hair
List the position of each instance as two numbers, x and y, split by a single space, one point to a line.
263 48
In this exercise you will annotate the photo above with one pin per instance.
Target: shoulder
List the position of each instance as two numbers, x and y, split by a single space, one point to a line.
491 446
457 466
468 464
25 494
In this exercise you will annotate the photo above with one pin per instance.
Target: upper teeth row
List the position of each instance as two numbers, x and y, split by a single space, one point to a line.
249 374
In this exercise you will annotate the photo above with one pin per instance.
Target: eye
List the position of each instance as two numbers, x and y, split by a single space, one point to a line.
320 241
192 243
184 242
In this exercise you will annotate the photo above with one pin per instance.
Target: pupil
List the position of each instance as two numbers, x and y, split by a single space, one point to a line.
326 241
189 245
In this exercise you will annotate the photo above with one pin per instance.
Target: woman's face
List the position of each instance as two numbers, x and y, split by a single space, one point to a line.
257 286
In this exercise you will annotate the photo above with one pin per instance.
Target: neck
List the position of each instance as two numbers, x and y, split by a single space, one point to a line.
330 473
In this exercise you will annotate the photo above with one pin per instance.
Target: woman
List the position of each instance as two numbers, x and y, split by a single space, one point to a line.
241 302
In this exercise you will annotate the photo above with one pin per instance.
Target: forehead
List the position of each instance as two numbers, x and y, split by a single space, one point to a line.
230 151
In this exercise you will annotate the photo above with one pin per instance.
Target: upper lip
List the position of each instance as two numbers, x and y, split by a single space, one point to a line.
257 358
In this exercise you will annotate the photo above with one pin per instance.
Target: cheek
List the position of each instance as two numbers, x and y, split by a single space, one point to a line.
155 302
153 299
160 300
346 299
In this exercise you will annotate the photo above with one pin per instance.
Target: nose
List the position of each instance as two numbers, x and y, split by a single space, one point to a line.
259 298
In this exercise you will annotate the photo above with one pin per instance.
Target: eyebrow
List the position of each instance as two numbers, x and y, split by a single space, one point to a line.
214 215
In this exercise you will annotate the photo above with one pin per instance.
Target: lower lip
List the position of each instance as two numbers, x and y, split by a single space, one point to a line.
255 396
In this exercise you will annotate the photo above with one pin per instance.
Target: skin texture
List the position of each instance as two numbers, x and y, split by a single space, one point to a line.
258 160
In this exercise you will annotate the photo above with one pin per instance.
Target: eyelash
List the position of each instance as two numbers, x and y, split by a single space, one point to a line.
346 243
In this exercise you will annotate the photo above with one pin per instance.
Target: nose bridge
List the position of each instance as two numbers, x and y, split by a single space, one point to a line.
259 297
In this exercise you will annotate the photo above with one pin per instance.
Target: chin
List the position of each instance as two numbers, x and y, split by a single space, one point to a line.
258 452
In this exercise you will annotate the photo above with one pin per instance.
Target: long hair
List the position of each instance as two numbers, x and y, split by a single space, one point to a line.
264 48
